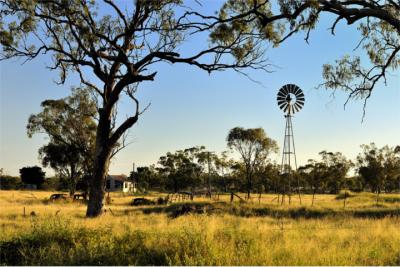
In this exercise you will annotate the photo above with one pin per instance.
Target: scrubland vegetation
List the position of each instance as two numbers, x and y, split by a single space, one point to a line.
221 233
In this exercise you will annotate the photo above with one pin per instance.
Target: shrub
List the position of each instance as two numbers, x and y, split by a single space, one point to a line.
9 182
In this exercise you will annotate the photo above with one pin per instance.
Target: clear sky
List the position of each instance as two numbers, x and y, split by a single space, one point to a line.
190 107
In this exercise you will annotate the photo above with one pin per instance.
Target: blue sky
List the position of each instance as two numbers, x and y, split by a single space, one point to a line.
190 107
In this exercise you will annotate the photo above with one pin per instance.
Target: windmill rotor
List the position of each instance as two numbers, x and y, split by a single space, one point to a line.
290 98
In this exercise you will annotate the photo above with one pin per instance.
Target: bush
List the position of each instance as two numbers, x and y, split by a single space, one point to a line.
32 175
10 182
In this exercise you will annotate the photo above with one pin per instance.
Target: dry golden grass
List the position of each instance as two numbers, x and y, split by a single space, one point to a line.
225 234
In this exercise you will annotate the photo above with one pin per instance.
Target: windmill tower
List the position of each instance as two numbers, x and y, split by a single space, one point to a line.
290 99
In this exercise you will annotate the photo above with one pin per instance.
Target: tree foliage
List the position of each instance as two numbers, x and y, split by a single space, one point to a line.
32 175
254 147
379 168
70 125
188 169
183 169
336 168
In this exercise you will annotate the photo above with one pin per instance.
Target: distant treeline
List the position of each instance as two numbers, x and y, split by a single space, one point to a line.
197 169
375 169
34 178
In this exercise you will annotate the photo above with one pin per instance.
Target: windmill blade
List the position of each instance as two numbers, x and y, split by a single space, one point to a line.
281 93
282 106
292 88
297 91
285 90
281 103
280 98
286 108
298 106
300 94
289 88
293 110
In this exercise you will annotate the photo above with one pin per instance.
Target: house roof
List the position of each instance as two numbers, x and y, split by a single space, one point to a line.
119 177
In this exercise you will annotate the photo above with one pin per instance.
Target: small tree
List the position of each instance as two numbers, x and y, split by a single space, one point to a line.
254 148
378 168
32 175
180 170
147 178
222 165
337 167
315 174
69 123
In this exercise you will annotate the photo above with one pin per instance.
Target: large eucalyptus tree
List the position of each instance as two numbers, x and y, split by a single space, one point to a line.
115 46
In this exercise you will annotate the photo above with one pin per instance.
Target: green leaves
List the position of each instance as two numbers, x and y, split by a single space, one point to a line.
6 38
69 124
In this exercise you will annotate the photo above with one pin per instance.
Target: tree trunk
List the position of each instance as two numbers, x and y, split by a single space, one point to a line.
72 187
298 188
378 191
97 185
249 185
72 182
101 164
313 197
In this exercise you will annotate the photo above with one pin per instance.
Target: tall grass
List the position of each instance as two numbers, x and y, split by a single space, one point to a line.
230 234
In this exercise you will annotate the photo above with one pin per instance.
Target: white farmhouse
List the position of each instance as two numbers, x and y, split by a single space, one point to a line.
120 183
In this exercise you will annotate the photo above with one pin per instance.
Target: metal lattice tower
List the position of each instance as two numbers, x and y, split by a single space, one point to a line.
290 99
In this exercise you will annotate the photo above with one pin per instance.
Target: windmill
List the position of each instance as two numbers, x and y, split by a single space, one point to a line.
290 99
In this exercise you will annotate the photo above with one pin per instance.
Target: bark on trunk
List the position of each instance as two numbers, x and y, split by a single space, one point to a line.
97 185
73 182
72 189
249 185
101 164
313 197
298 189
377 195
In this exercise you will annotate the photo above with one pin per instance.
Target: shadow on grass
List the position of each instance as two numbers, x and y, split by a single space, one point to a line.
178 209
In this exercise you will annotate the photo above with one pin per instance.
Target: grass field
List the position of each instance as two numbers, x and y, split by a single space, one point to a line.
221 233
